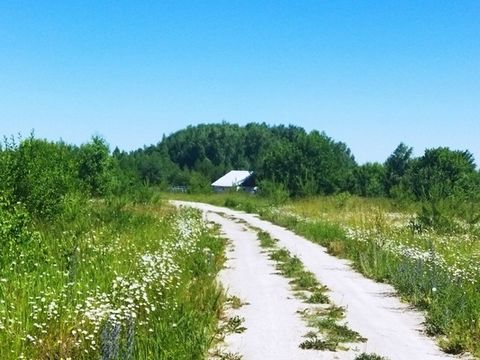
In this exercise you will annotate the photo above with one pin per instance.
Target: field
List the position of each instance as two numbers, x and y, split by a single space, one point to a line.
118 279
110 280
435 271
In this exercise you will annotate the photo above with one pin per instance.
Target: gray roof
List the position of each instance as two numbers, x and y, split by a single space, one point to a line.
233 178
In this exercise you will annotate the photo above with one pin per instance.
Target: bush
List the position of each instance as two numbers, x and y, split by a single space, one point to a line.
40 174
198 184
16 236
95 167
276 193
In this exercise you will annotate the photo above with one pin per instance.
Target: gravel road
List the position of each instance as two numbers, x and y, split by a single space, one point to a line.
274 329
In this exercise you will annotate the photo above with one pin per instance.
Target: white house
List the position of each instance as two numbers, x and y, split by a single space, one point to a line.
237 179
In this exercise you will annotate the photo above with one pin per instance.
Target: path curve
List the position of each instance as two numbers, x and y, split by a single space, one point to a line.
391 327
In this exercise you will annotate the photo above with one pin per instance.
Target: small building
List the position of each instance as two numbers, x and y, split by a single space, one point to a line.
236 179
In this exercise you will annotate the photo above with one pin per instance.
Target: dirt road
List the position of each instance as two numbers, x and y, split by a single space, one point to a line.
274 329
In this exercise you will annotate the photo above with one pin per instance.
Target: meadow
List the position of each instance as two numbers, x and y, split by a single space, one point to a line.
436 271
109 280
94 262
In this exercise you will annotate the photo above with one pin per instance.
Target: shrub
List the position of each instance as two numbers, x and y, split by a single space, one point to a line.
95 167
40 174
16 236
276 193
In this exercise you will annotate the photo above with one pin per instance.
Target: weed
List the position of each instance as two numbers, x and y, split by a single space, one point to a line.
222 355
234 325
318 297
235 302
318 344
365 356
266 241
326 322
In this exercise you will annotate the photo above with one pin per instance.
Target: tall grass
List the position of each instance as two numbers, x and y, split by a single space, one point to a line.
109 280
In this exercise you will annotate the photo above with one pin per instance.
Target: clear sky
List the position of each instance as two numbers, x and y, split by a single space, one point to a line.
369 73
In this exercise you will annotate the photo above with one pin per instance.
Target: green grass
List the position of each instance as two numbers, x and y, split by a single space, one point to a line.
234 302
365 356
112 279
327 322
266 241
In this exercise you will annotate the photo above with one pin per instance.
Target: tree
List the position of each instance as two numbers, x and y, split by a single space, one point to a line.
308 163
396 166
94 166
440 173
39 174
369 180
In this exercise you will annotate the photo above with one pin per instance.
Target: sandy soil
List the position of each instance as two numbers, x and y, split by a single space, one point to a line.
274 330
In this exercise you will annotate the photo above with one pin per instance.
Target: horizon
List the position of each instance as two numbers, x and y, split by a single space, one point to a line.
370 75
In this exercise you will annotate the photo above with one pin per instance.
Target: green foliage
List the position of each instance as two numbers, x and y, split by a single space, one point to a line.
198 184
369 180
39 174
276 193
441 172
447 184
306 163
396 166
15 232
42 175
95 166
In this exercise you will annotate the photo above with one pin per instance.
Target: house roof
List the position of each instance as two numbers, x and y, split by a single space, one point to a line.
233 178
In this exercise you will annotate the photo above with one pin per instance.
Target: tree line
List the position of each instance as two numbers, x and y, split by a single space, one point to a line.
45 176
304 163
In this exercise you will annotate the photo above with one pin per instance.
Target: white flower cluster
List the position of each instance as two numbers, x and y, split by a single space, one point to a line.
458 255
131 297
458 266
158 272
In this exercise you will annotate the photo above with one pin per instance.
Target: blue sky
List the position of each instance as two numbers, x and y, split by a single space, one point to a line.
369 73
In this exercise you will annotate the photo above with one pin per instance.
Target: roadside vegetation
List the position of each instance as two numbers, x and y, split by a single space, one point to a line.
89 270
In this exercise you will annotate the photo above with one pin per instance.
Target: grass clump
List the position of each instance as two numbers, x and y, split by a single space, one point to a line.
314 343
318 297
365 356
266 241
234 325
234 302
328 328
